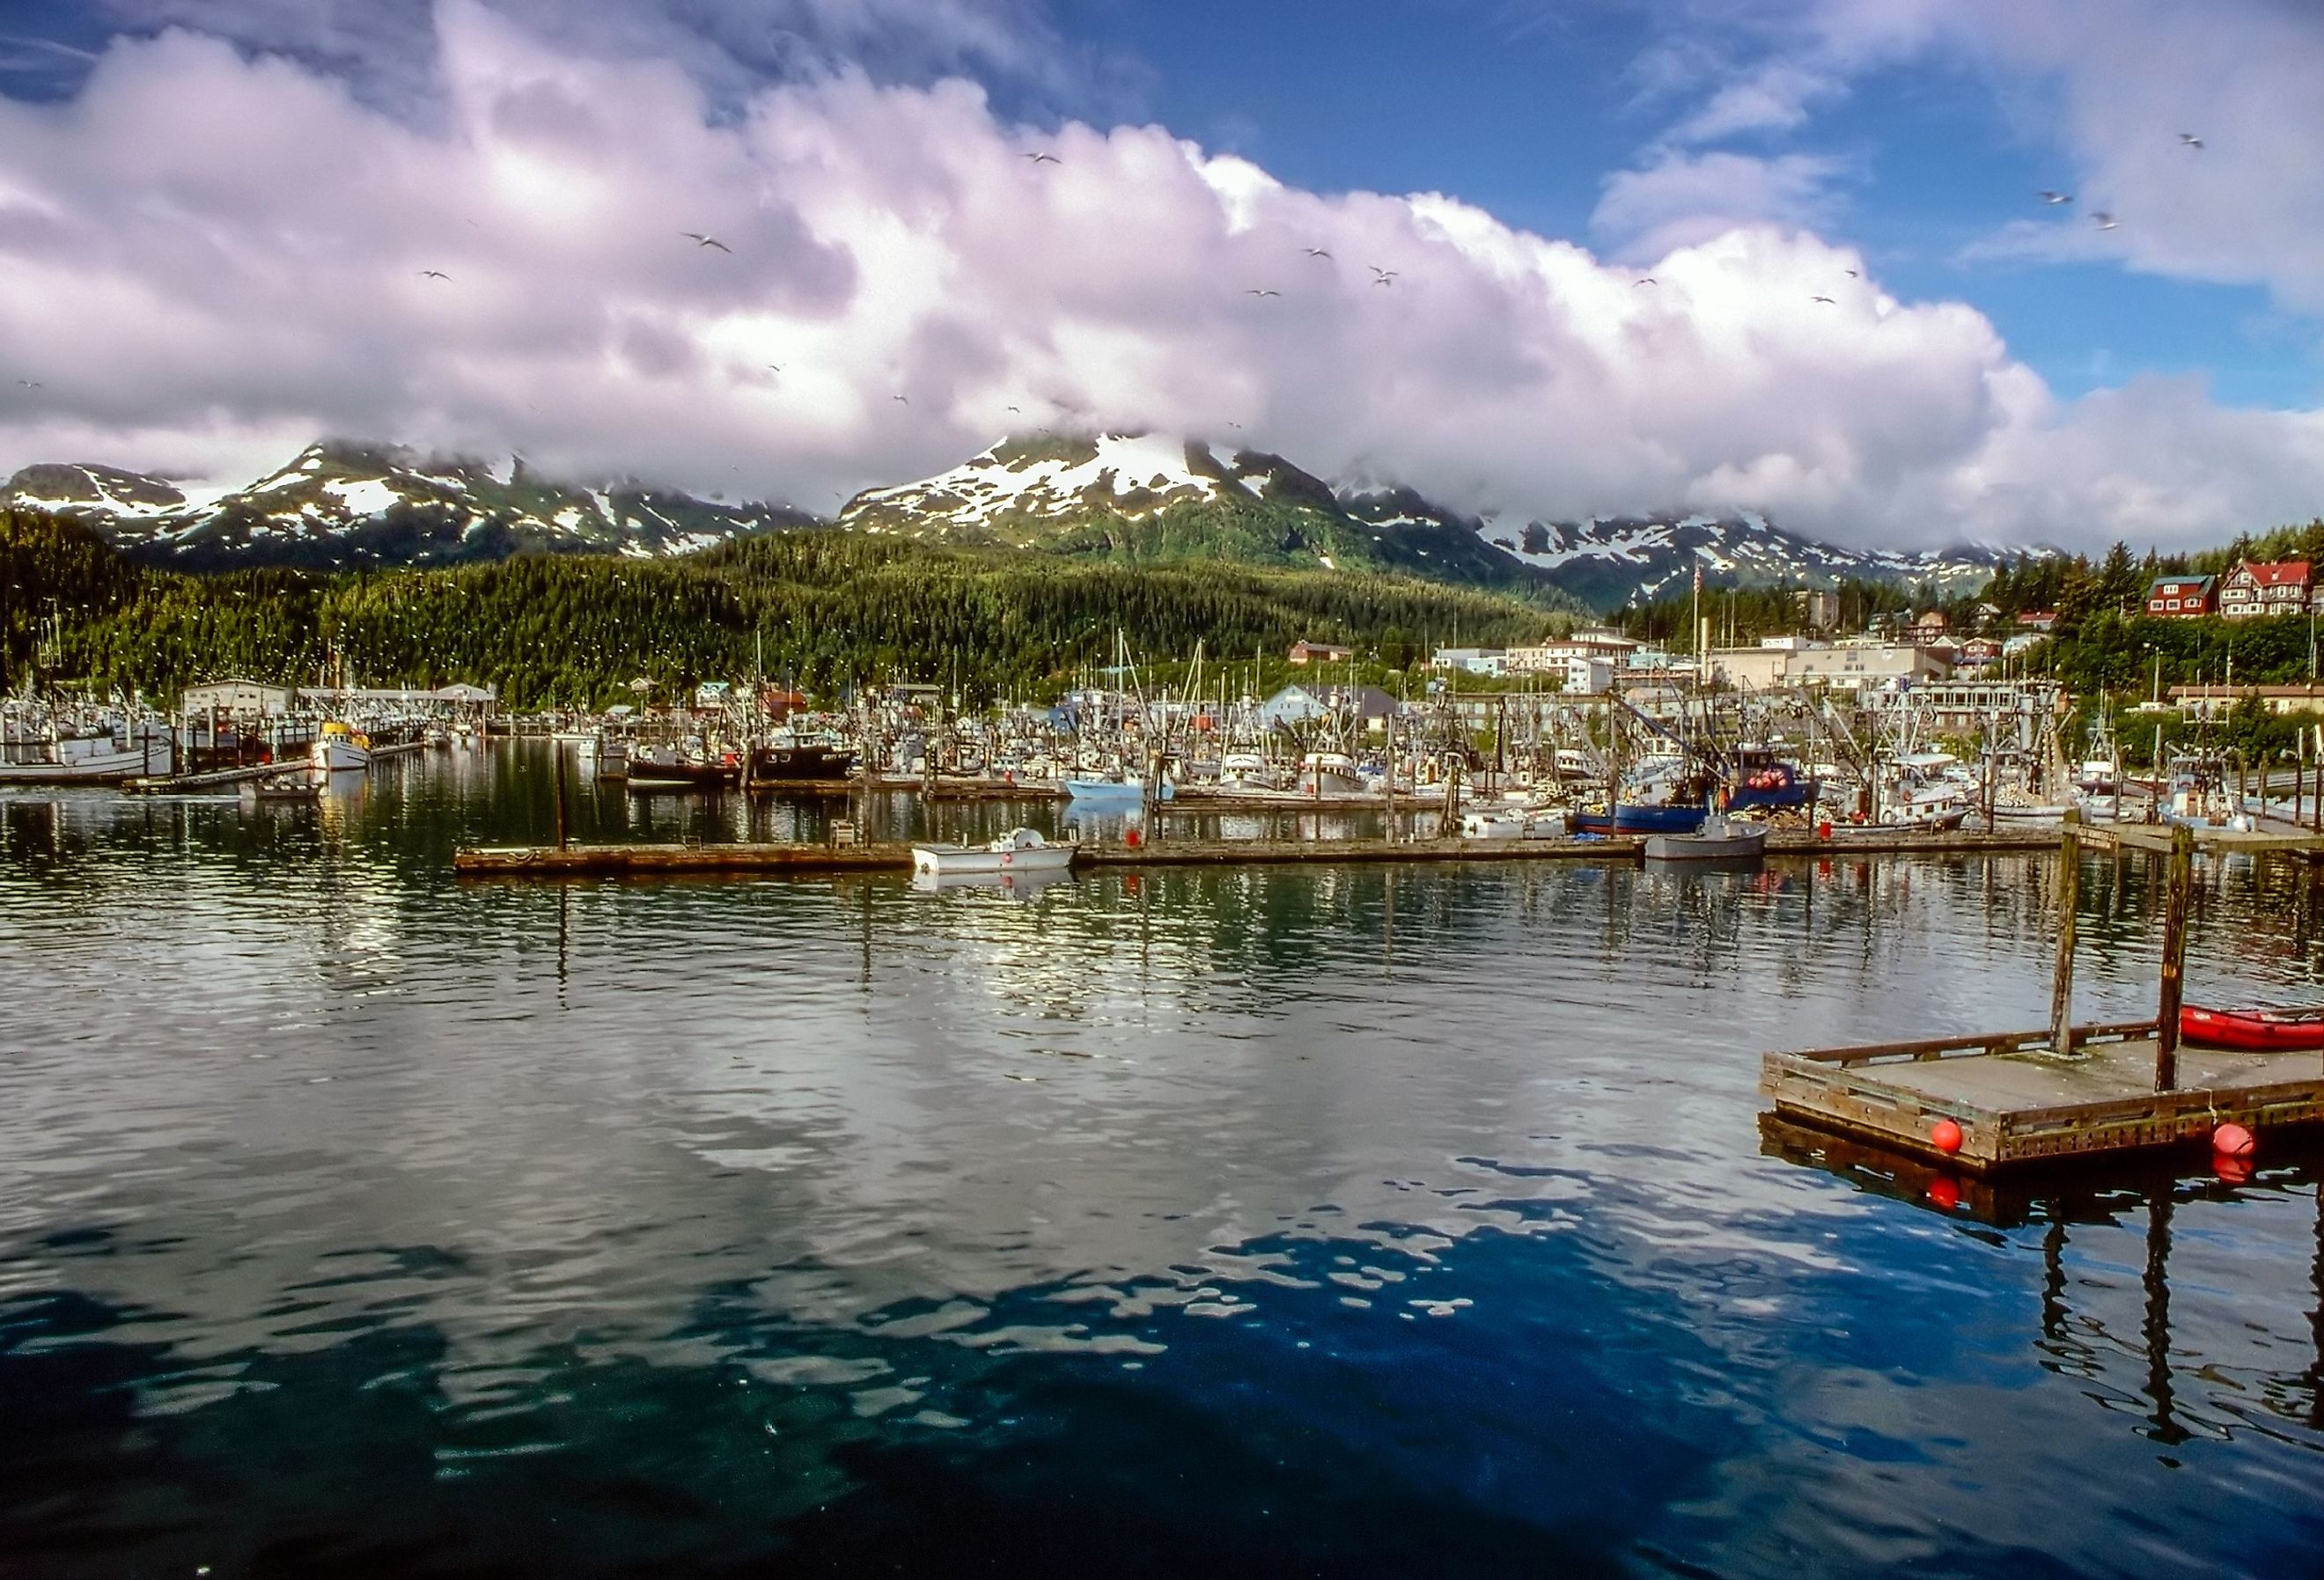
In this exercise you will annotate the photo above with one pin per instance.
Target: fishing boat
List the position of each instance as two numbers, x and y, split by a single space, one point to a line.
1020 850
1329 774
1093 788
664 768
787 758
1718 839
58 755
2253 1031
1634 817
338 749
1766 783
283 788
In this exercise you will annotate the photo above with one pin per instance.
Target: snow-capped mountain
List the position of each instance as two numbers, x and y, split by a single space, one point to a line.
340 505
1141 498
1611 562
1147 498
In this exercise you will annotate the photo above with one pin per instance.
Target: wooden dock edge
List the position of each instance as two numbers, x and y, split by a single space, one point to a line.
1841 1090
653 860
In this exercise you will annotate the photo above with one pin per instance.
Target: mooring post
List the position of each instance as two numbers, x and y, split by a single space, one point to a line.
2179 882
556 786
2062 979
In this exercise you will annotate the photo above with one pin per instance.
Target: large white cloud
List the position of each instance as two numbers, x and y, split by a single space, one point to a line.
207 257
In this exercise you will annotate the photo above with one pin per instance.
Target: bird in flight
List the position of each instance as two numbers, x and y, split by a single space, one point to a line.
32 383
700 240
1851 274
2105 221
1045 159
773 368
2189 140
2054 198
1013 408
1645 280
1235 425
899 399
1825 299
1255 291
1382 276
433 275
1317 252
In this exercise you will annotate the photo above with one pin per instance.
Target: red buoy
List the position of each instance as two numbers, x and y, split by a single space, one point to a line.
2233 1140
1944 1191
1945 1136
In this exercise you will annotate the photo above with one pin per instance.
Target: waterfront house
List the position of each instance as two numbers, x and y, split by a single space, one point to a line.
2256 587
1320 653
2037 620
2183 597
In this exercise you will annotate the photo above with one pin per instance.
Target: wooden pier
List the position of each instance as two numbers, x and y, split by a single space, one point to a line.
1988 1101
642 860
2016 1102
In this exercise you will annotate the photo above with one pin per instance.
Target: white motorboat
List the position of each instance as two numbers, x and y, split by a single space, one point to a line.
339 750
1513 823
1721 839
1086 788
1247 771
1020 850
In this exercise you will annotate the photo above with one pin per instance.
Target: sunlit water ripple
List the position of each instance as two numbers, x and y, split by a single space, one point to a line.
1333 1219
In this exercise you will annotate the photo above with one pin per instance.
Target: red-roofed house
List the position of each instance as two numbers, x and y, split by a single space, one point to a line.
2182 598
2254 587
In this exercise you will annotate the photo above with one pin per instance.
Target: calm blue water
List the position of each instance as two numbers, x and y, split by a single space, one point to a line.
1335 1221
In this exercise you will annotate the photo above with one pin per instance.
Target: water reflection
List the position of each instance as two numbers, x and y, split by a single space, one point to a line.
1338 1218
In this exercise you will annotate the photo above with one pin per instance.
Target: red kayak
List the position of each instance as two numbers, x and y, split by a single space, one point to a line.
2253 1031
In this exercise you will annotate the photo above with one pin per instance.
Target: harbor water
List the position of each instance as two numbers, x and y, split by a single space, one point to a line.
1318 1220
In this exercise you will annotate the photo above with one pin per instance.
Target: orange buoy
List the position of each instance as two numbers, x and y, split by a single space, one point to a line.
1944 1192
1945 1136
2233 1140
1130 839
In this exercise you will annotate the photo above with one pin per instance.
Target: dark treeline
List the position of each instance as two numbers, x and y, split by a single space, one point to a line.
828 609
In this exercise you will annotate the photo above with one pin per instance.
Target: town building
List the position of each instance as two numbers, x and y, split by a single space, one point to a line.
2183 597
2257 587
1320 653
1781 661
2212 701
1470 661
1817 608
2039 621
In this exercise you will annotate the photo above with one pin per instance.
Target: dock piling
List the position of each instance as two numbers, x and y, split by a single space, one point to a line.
2061 978
2179 884
557 792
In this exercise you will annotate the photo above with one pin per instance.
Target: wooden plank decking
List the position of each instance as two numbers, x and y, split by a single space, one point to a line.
2017 1102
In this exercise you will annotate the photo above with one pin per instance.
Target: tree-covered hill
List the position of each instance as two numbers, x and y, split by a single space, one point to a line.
828 608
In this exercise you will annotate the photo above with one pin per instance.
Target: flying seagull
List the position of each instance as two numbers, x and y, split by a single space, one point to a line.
433 275
1013 408
2189 140
1317 252
1255 291
1823 298
1385 274
1851 274
772 367
1045 159
1647 280
32 383
900 399
2054 198
2105 221
700 240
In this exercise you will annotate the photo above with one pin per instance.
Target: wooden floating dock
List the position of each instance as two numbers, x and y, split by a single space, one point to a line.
578 861
2017 1102
2062 1092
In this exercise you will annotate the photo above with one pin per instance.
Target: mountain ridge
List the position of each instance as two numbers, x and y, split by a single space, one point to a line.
1136 498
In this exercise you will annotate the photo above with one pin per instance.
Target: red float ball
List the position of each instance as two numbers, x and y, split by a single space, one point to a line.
1945 1192
2233 1140
1945 1136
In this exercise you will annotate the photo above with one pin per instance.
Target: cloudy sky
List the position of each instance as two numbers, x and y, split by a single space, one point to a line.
1609 224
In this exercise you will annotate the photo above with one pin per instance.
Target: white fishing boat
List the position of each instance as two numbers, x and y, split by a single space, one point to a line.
59 756
1329 774
1247 771
1091 787
340 750
1720 839
1020 850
